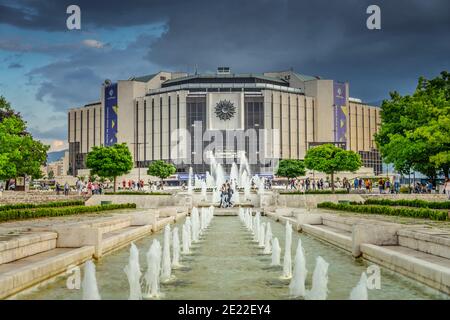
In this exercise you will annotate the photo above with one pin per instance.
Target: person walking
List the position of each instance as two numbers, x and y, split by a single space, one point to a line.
447 188
66 189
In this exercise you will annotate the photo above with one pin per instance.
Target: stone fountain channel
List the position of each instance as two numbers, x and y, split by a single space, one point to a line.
227 264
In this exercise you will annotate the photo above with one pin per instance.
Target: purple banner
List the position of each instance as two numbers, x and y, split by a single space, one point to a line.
340 112
111 114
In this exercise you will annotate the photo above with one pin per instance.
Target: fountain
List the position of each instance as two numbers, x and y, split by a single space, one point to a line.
244 167
220 176
319 290
287 263
89 284
185 240
195 224
210 183
246 183
234 173
257 226
189 186
153 270
360 291
133 272
188 224
166 263
261 185
261 237
216 196
297 285
276 251
268 239
235 198
175 248
203 193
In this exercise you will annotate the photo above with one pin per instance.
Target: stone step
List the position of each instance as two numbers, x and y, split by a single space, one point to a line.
119 238
24 273
429 269
19 245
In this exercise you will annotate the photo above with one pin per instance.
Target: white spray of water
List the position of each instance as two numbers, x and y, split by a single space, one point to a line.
133 272
175 248
203 186
276 252
319 290
360 291
190 186
262 228
287 262
268 239
152 275
166 263
297 285
89 284
185 239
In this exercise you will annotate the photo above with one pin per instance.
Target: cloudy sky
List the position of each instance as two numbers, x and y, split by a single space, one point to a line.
46 68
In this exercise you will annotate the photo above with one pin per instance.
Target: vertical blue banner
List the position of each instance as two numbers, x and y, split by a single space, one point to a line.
340 112
111 114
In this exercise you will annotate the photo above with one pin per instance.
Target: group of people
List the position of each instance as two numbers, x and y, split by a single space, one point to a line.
307 184
226 195
132 185
89 188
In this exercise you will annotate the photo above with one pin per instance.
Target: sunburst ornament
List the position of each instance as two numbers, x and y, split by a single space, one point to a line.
225 110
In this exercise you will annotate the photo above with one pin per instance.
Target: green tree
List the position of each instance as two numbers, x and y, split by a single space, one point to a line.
20 154
51 175
111 161
290 168
415 129
330 159
161 169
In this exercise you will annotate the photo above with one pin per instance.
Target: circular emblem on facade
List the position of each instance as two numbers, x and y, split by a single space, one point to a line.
225 110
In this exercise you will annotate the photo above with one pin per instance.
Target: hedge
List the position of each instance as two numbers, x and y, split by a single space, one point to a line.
410 203
42 205
139 193
57 212
386 210
315 192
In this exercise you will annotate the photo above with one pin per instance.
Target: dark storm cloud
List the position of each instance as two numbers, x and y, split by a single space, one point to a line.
327 38
15 65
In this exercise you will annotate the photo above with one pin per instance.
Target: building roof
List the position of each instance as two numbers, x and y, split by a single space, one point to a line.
305 77
145 78
225 77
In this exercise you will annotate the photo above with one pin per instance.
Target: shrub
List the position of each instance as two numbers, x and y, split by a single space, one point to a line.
139 193
54 204
315 192
17 214
386 210
410 203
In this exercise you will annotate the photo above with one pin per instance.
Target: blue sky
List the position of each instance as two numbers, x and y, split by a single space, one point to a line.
46 69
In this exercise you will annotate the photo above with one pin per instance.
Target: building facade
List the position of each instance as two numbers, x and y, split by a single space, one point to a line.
185 119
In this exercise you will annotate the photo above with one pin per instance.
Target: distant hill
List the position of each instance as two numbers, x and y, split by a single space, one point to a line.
55 156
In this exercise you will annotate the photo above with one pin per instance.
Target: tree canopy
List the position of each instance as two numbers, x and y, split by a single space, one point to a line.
290 168
161 169
110 161
415 129
20 154
330 159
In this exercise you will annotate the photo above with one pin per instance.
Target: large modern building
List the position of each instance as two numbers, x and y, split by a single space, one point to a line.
266 117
